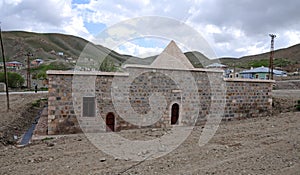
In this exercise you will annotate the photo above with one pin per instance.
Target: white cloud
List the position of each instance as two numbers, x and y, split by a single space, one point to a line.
12 2
120 32
46 16
130 48
252 49
232 28
293 36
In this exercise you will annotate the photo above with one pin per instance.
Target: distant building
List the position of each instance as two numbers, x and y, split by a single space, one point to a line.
14 65
37 62
261 73
60 53
230 73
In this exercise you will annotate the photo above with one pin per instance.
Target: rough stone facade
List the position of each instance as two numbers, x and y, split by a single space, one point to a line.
248 98
2 87
144 96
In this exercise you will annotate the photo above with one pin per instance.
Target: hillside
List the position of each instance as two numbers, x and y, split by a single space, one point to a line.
46 46
16 44
288 59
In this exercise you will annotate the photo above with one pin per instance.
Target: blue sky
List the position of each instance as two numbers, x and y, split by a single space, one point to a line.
231 27
94 28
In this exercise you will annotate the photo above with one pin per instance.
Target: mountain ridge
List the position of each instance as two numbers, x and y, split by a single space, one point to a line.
47 45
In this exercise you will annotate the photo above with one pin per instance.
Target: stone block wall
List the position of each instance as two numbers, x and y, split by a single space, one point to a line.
136 96
61 114
248 98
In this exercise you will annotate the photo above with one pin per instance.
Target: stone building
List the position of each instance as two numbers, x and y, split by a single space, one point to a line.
168 93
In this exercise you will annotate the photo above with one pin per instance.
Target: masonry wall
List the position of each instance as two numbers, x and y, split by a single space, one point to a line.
248 98
130 96
61 114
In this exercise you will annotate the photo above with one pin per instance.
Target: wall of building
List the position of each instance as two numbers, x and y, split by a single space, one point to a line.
248 98
230 98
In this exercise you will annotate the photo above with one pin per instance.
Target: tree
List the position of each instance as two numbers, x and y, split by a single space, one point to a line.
108 66
14 79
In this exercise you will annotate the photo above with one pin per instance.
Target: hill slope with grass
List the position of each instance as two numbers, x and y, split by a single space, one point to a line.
46 46
287 59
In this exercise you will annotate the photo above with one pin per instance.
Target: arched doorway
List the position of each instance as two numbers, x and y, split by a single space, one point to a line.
174 114
110 122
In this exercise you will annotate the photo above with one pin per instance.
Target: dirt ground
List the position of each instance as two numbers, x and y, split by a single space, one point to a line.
23 109
265 145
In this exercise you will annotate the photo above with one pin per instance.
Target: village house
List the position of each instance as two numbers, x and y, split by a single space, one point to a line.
36 62
94 101
14 65
261 73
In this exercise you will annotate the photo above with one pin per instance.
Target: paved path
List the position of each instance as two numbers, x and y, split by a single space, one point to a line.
26 92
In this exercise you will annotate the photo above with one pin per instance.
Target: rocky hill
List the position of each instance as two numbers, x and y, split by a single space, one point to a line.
55 47
50 46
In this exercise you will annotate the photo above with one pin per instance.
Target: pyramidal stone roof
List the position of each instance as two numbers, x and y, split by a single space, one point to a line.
172 58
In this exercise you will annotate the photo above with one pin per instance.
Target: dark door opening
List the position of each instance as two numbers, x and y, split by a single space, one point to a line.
110 122
174 114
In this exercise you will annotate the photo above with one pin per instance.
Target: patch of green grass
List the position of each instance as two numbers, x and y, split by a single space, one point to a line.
259 63
40 72
38 102
47 138
278 62
281 62
43 89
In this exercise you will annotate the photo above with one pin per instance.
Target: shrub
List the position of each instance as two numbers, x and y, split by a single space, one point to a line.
108 66
282 62
15 80
41 75
259 63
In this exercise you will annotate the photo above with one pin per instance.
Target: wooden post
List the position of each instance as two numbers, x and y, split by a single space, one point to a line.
5 72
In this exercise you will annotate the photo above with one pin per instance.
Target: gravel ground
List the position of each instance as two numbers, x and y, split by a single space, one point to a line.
264 145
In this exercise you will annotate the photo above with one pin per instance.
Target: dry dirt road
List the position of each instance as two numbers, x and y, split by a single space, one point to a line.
265 145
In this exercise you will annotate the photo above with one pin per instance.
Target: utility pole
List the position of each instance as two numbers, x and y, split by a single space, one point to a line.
234 71
5 72
271 65
28 70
